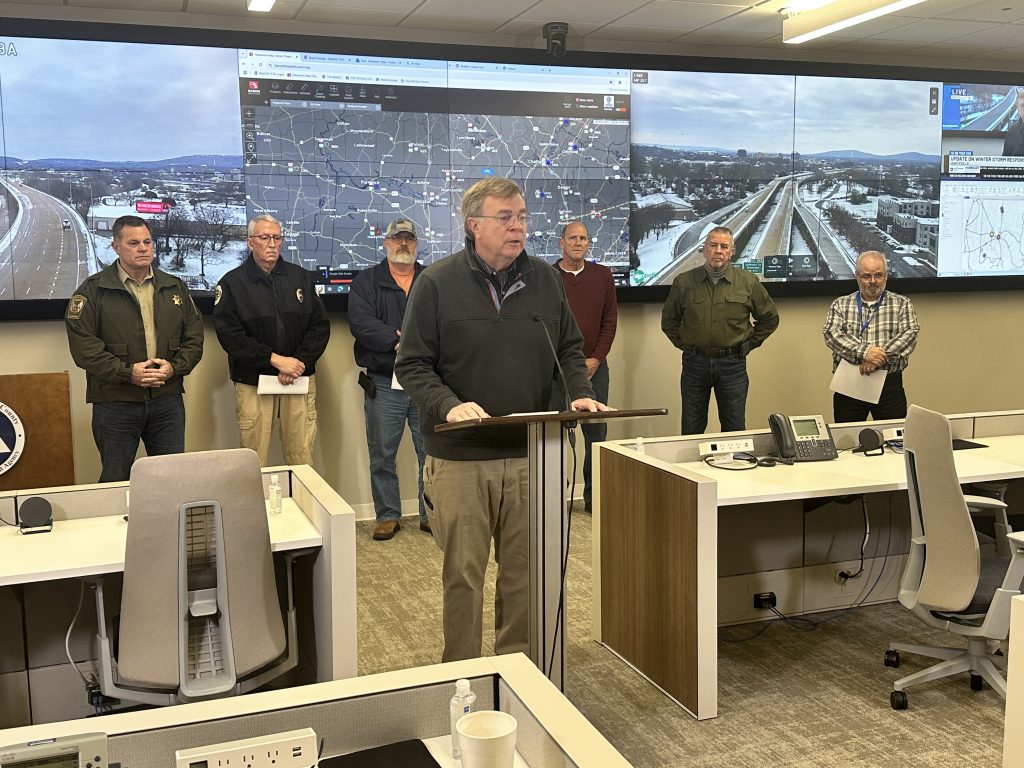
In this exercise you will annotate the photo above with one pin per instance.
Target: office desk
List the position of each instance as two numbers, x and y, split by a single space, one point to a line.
95 545
657 547
38 593
359 713
1001 459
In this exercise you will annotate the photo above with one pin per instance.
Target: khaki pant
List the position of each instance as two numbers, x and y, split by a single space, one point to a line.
468 504
256 413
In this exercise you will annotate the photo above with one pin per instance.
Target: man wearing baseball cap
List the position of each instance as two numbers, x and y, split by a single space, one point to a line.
376 307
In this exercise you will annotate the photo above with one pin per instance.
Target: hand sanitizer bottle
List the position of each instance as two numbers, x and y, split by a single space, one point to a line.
274 491
462 704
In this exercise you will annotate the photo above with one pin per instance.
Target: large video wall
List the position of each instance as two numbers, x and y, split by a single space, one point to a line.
808 171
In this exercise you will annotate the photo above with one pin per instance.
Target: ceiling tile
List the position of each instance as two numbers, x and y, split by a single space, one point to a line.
999 36
1015 53
673 14
523 26
934 30
596 11
321 14
460 9
954 50
450 23
131 5
638 34
995 11
874 45
343 6
753 21
710 36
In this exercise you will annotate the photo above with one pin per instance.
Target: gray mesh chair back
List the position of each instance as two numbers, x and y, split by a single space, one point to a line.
199 605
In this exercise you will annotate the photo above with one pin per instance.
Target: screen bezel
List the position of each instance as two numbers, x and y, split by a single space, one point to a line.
48 309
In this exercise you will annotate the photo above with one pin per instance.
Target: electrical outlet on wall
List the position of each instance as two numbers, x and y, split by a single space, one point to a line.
292 749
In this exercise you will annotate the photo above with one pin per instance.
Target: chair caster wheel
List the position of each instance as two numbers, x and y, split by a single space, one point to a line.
976 682
898 700
892 659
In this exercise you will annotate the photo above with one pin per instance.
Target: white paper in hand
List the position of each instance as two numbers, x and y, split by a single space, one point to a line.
271 385
849 381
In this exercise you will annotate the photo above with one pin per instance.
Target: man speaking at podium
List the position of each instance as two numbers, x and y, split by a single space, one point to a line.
477 341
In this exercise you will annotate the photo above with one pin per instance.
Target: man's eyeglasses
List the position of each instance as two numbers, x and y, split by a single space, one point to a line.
872 275
403 237
506 219
267 238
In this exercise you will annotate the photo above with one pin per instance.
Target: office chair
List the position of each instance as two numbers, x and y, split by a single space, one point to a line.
946 583
200 616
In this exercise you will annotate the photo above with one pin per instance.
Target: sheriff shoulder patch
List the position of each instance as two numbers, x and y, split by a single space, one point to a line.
75 307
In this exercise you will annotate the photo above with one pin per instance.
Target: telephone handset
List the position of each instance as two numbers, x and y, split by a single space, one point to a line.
802 438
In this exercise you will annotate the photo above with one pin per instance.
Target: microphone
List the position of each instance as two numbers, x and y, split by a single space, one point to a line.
570 425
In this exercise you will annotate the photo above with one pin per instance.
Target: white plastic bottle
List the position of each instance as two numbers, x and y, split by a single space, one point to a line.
274 491
638 445
462 704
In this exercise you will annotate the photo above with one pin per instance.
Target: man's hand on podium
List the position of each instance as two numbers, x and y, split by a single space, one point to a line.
465 412
588 404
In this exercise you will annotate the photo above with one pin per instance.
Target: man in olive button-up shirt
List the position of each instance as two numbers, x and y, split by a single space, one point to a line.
708 316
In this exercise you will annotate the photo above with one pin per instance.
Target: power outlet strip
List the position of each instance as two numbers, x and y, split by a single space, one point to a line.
293 749
893 433
716 447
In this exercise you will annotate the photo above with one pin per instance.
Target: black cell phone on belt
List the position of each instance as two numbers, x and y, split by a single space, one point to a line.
367 384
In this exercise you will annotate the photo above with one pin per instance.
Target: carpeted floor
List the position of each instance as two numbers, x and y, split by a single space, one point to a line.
786 697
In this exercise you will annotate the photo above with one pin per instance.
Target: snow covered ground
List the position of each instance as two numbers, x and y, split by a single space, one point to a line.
657 250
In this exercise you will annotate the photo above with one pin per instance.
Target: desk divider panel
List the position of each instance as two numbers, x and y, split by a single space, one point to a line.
648 531
346 725
334 577
999 425
533 743
82 501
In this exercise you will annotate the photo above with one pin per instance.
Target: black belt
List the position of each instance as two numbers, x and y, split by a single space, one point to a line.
716 351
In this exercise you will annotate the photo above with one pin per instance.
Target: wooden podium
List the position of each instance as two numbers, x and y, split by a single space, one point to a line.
549 531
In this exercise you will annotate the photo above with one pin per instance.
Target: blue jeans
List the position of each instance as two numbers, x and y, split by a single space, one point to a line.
593 431
728 377
117 428
386 417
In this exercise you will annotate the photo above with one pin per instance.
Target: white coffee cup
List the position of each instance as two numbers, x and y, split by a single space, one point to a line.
487 739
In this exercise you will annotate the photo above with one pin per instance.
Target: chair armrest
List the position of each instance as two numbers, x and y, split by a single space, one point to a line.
984 504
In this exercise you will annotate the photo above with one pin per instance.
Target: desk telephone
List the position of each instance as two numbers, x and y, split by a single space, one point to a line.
802 438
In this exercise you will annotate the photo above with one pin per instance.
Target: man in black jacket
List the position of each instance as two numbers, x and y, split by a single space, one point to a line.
376 306
473 345
272 323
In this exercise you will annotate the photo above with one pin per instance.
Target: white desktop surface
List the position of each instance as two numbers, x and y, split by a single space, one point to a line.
1001 459
95 545
440 748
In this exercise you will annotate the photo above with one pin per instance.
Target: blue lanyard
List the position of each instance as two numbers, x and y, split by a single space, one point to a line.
860 312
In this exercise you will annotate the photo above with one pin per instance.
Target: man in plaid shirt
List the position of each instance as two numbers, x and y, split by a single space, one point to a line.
872 328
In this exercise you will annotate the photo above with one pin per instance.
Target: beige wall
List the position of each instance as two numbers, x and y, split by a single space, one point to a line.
968 358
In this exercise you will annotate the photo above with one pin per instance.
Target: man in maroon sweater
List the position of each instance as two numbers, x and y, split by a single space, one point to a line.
590 289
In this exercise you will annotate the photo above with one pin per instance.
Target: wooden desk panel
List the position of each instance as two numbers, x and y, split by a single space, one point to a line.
657 538
649 561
